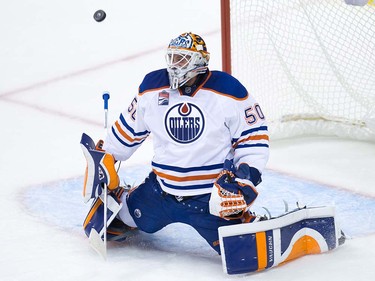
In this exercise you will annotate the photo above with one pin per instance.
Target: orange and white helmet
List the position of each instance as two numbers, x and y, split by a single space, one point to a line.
186 57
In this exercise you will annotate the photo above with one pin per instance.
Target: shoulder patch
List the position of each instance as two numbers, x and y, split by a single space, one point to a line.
154 80
225 84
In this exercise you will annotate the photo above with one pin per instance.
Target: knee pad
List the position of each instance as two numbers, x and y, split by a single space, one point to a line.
124 213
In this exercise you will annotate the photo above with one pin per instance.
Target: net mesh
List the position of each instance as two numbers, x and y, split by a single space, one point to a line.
310 64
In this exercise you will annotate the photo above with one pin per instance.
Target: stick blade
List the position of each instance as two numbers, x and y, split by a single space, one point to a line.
98 244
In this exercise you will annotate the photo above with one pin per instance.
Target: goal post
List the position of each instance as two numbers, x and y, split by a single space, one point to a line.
310 64
226 36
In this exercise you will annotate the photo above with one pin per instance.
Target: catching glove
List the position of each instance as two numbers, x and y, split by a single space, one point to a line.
231 196
100 169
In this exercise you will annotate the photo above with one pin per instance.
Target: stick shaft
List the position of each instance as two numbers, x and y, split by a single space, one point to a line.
105 216
105 195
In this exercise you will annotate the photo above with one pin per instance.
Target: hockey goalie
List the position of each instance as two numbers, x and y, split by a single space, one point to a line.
254 243
211 145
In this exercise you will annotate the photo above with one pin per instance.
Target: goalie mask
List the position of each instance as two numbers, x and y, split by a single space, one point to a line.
186 57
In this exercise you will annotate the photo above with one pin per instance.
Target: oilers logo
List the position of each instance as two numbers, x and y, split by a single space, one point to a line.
184 122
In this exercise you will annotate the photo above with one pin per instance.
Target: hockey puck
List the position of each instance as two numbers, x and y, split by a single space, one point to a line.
99 15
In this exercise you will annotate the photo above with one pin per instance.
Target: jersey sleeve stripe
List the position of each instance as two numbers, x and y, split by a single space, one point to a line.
252 145
130 129
253 130
125 135
123 142
251 138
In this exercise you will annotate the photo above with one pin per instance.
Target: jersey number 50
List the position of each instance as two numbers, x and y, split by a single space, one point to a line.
253 114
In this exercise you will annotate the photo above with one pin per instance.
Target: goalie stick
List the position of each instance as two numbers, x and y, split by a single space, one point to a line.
95 240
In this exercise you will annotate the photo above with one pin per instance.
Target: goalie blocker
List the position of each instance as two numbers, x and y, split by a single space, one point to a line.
257 246
100 172
100 169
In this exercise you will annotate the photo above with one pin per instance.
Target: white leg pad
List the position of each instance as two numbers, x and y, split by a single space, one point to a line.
256 246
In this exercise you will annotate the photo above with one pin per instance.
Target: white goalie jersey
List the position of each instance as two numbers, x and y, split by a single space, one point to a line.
192 134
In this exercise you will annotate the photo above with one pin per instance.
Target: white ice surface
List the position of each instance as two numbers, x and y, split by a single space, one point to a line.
55 62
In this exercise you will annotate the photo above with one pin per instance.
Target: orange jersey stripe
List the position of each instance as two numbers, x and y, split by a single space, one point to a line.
187 178
257 137
125 135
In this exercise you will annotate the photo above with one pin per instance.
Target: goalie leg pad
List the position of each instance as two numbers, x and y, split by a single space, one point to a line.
256 246
94 219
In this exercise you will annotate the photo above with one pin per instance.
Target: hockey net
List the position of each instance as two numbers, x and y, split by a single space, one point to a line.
309 63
